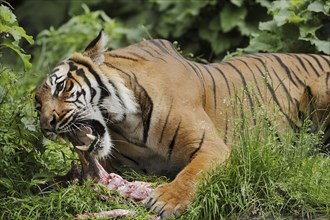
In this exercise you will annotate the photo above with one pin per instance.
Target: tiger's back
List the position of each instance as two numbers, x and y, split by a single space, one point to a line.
280 79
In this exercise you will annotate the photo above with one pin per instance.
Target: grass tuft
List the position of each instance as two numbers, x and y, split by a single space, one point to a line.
267 176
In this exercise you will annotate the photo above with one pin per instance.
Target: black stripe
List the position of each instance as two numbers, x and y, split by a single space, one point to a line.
163 44
172 144
159 44
104 91
152 55
288 72
261 58
51 79
165 124
198 74
64 114
316 60
156 43
147 51
128 158
127 137
116 94
245 88
294 72
283 86
70 86
226 130
71 77
272 92
325 58
254 78
198 148
297 77
116 68
203 83
214 87
72 67
224 77
53 74
146 105
312 66
297 56
138 56
122 57
61 123
145 102
80 72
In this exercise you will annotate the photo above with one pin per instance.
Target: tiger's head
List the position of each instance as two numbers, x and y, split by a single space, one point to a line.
76 100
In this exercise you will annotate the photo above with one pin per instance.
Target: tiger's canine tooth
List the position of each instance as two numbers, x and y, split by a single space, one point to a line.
91 137
83 148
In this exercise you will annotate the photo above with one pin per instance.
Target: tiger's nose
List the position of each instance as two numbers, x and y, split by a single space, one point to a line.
49 124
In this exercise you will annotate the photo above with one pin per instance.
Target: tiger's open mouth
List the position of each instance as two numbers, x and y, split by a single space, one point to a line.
86 137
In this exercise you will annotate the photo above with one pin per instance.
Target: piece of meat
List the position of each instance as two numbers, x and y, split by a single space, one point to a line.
135 190
106 214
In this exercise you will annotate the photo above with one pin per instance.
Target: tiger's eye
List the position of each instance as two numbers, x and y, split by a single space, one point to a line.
60 86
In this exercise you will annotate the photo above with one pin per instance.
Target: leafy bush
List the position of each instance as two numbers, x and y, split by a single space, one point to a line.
74 35
9 28
297 26
22 165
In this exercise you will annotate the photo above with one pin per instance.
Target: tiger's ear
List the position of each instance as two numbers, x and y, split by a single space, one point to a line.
95 49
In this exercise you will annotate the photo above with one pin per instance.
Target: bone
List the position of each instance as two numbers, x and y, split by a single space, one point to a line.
83 148
106 214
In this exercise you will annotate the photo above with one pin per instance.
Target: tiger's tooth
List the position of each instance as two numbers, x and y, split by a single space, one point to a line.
83 148
91 137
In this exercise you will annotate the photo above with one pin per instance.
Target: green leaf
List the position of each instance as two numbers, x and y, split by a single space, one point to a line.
282 17
6 15
29 123
265 42
238 3
19 32
317 7
308 30
321 45
230 16
24 57
215 24
267 26
246 28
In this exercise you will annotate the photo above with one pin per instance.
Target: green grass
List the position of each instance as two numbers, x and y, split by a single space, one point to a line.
264 178
267 178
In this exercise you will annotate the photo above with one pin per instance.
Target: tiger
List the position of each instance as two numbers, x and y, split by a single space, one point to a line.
147 108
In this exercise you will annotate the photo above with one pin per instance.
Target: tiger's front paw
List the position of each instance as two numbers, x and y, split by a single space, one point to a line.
169 199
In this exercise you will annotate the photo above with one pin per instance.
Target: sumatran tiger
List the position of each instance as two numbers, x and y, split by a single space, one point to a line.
148 108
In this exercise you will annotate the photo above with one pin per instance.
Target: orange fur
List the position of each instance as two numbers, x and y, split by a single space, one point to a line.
181 126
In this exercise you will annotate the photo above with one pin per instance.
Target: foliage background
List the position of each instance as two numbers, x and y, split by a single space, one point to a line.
36 34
